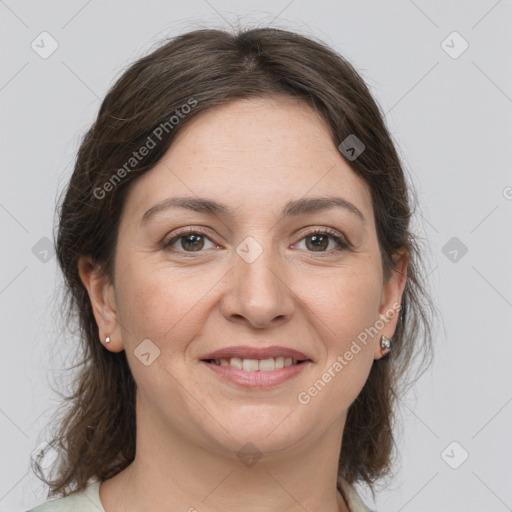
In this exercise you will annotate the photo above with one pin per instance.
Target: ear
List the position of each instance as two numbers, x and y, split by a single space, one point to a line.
391 299
102 297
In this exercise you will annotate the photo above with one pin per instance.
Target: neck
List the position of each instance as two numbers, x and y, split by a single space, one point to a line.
177 470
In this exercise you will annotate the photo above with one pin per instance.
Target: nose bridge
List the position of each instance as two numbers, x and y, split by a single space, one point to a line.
258 290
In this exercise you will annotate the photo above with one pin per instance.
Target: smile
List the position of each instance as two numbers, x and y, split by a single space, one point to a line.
254 373
253 365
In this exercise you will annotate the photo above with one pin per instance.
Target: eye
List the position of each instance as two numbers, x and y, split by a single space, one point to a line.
319 240
190 240
193 240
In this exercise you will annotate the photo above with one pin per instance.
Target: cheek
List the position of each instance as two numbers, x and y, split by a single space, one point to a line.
346 303
161 304
343 311
357 307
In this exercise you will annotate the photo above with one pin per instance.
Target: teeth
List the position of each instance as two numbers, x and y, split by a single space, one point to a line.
250 365
235 362
253 365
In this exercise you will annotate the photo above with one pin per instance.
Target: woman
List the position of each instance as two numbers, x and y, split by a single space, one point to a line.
235 242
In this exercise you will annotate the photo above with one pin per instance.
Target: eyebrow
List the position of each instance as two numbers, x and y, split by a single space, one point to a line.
292 208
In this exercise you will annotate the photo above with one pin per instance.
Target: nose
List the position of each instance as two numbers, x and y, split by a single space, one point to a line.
258 293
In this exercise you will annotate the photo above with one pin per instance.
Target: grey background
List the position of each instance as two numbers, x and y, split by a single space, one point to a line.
451 120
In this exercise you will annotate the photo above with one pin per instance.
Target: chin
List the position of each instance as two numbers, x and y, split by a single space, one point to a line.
267 431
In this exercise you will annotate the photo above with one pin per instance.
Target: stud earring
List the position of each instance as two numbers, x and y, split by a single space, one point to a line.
107 339
385 344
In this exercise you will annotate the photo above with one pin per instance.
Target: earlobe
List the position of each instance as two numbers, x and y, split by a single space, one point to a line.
384 347
102 298
392 292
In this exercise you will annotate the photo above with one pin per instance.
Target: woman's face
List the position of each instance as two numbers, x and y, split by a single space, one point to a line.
253 274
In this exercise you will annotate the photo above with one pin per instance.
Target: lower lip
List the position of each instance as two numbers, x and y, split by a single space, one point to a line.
257 379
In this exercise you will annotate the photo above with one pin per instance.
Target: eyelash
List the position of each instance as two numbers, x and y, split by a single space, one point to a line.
341 244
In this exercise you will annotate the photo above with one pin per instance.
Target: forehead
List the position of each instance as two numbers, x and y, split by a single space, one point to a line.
252 153
274 126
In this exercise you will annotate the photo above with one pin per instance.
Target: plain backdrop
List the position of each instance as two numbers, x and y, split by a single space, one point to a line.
441 72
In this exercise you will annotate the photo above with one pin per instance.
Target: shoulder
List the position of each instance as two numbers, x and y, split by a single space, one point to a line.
87 500
354 501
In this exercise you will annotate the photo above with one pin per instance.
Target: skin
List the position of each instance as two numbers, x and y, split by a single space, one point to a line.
254 156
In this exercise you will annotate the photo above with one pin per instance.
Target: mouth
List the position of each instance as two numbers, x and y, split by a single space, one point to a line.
256 367
269 364
256 374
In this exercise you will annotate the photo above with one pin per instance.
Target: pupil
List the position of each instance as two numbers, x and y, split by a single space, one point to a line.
193 240
319 241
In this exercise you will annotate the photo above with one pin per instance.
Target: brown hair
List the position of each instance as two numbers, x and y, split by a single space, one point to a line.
203 69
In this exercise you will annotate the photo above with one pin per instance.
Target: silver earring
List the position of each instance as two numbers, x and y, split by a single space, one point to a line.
107 339
385 344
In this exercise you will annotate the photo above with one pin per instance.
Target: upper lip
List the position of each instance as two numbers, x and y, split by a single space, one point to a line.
246 352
